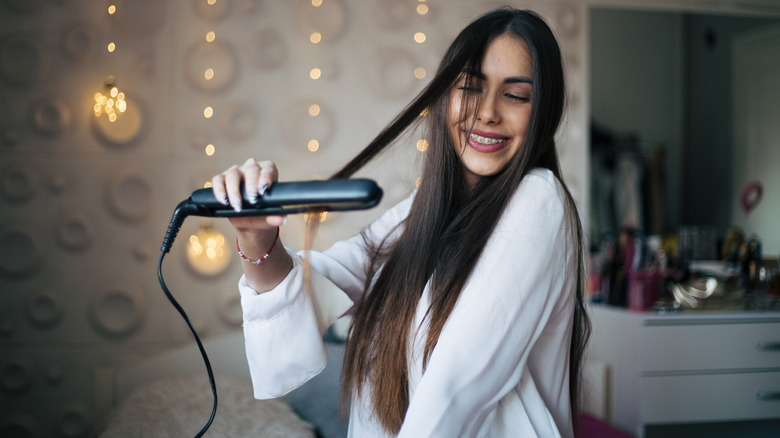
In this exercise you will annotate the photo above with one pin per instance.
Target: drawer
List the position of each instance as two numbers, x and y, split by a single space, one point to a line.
711 397
709 347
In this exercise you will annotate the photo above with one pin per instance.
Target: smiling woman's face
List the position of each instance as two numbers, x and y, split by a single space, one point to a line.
501 120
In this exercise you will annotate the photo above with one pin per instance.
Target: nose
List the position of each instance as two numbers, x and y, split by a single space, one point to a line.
488 112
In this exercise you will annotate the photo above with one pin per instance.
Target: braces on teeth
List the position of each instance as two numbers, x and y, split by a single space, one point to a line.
485 140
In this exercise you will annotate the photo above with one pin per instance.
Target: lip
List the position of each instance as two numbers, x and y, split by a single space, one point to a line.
486 148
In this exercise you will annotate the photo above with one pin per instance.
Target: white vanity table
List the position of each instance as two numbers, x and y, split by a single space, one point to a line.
689 368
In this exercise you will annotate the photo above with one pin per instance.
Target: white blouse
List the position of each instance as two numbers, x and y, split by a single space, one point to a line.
500 367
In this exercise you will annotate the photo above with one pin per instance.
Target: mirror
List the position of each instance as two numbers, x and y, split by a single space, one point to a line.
663 149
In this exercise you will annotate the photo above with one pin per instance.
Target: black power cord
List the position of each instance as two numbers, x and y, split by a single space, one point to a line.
182 210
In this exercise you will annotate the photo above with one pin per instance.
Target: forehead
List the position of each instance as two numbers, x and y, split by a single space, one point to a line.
507 55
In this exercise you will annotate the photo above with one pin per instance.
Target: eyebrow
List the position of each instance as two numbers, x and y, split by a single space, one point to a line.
509 80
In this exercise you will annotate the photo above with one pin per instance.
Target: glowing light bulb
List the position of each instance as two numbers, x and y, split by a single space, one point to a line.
211 2
422 145
315 73
420 73
207 185
210 36
314 110
316 3
210 149
419 37
422 9
111 9
315 37
209 74
111 47
112 103
208 112
313 145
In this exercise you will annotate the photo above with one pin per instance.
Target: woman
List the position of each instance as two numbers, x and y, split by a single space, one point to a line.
467 296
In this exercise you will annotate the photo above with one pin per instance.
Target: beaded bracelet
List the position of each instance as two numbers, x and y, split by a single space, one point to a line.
261 259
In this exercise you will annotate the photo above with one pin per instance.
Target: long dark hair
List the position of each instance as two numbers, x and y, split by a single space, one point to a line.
449 225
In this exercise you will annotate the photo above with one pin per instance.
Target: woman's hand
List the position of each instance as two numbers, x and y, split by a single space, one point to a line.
256 235
257 177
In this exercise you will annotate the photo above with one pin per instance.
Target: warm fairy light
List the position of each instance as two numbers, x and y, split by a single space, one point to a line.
207 244
207 185
210 149
422 9
209 74
211 2
111 47
313 145
314 110
210 36
417 182
315 73
112 103
422 145
208 112
420 73
424 112
111 9
419 37
316 3
315 37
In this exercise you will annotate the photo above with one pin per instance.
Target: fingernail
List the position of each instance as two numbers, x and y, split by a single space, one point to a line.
225 200
284 222
252 198
263 188
237 207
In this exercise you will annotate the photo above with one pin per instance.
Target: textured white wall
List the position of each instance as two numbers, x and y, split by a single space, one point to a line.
82 217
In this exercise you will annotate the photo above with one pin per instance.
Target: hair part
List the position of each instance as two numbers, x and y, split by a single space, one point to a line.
448 226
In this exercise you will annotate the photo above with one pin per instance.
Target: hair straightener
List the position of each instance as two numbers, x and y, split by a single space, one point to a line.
281 198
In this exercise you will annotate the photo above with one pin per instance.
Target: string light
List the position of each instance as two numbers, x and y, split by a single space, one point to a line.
313 145
112 104
111 9
314 110
420 73
419 37
111 47
315 73
210 36
208 112
210 149
422 9
315 37
316 3
422 145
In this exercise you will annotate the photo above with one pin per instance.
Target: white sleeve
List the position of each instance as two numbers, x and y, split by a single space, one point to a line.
521 282
283 327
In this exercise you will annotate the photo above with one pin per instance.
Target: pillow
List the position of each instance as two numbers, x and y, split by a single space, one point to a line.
181 406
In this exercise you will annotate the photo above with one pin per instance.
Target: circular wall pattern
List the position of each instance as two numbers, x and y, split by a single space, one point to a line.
210 66
391 73
18 183
141 17
117 310
19 254
51 116
78 43
22 60
329 19
73 421
44 309
16 376
238 121
129 195
124 130
19 424
299 126
230 309
267 49
393 14
75 231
